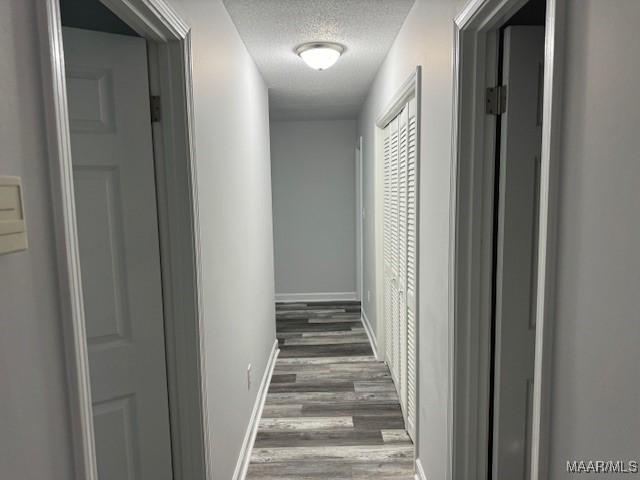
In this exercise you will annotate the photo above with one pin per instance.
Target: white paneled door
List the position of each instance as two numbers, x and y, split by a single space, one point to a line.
107 83
400 255
520 150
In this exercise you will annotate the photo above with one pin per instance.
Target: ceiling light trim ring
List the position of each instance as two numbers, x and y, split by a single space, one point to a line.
338 47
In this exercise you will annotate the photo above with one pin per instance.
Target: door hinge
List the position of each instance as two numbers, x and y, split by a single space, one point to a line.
154 102
496 100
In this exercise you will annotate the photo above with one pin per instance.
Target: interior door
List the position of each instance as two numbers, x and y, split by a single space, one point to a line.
400 256
390 247
520 149
411 283
401 322
107 83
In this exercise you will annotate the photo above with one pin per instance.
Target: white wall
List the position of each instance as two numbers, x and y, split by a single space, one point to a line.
232 143
424 39
596 387
234 182
34 421
314 207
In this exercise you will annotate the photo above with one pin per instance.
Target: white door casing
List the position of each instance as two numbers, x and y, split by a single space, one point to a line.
516 262
108 95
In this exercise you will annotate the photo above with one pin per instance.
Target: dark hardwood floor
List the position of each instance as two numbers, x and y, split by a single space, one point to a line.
332 411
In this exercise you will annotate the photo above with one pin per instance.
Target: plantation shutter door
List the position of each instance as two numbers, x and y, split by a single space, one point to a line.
386 243
412 266
395 248
401 323
400 232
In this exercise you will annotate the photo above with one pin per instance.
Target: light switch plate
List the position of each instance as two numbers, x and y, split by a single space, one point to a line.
13 228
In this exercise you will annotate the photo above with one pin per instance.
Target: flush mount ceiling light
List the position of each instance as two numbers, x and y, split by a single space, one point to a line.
320 55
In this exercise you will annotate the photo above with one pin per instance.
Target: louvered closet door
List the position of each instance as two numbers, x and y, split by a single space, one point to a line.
390 246
401 323
412 266
400 257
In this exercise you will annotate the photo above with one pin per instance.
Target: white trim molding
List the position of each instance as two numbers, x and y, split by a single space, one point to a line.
409 89
316 297
370 333
156 21
242 465
420 475
475 58
66 234
547 240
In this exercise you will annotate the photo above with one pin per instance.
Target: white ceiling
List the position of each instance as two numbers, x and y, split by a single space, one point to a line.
272 29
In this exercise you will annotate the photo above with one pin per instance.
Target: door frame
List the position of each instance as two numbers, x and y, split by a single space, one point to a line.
360 218
471 231
410 88
175 160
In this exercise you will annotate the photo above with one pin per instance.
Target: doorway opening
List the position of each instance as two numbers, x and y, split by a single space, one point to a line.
518 147
507 83
119 109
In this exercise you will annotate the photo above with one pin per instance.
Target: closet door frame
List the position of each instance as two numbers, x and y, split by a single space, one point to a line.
410 89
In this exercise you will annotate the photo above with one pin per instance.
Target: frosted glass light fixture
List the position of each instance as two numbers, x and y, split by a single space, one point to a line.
320 55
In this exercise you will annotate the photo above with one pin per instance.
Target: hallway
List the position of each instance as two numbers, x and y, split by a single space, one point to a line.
332 411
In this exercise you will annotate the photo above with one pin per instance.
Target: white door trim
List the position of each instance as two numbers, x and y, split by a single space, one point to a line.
360 219
410 88
157 22
475 48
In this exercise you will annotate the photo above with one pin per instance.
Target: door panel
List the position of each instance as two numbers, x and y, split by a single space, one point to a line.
107 83
400 257
99 218
520 149
411 267
390 243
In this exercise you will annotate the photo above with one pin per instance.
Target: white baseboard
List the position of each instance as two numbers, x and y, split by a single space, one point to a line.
316 297
370 334
250 436
420 471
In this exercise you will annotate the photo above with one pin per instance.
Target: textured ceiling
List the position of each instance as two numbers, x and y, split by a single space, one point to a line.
272 29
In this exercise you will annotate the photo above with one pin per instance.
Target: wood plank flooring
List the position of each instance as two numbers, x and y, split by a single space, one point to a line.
332 411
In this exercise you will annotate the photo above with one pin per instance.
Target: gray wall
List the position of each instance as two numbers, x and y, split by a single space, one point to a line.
232 143
314 206
34 420
424 39
234 181
596 385
596 388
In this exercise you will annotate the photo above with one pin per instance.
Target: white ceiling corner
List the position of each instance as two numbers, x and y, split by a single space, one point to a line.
272 29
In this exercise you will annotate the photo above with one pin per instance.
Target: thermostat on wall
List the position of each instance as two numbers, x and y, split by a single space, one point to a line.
13 228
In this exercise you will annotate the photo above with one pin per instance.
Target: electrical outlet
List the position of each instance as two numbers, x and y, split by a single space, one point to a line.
249 377
368 296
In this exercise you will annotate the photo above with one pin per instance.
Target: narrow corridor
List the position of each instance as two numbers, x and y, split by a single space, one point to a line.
332 411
